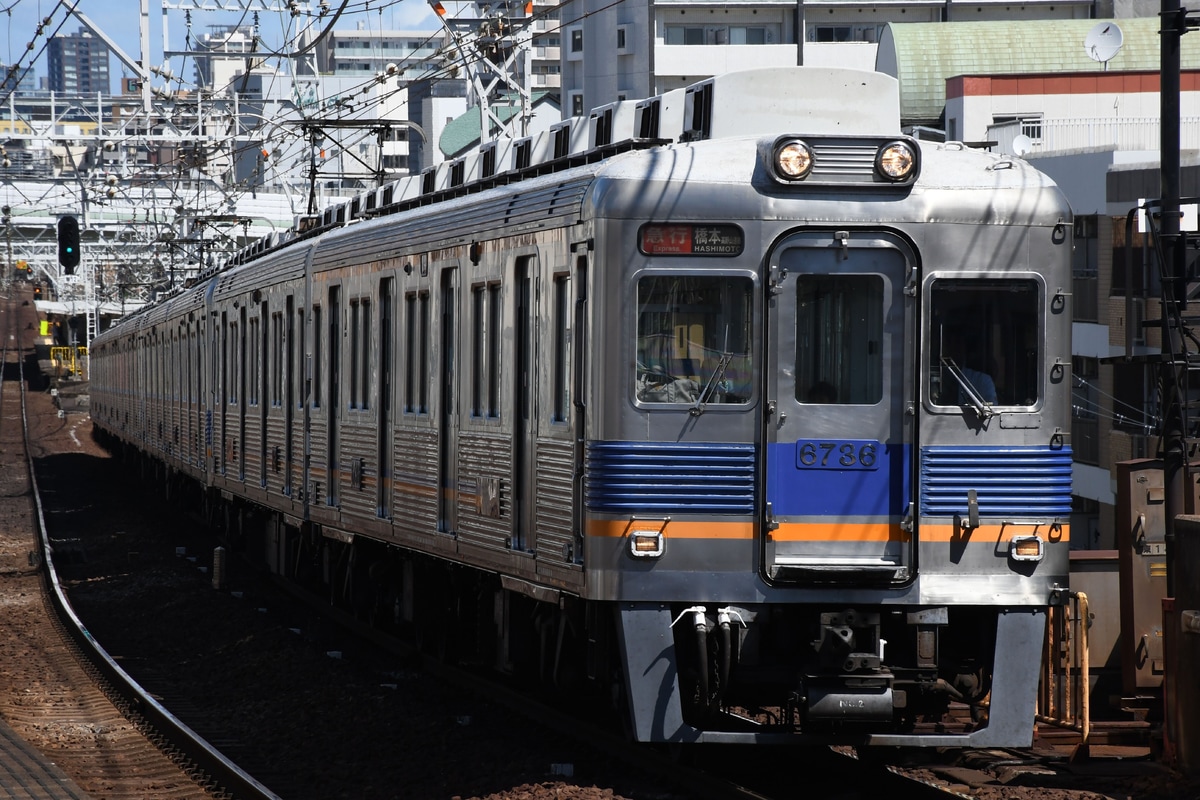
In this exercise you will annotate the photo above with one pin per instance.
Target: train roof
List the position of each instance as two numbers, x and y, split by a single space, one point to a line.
700 135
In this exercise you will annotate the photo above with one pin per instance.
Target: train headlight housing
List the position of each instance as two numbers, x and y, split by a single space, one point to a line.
645 544
896 161
793 160
1026 548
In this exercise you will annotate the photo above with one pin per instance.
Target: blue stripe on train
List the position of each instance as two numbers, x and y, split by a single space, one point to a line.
719 478
1008 481
670 478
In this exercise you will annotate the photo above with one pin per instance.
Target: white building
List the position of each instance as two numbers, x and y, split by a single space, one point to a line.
640 48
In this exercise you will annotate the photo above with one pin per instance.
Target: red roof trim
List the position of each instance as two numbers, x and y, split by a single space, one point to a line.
1064 83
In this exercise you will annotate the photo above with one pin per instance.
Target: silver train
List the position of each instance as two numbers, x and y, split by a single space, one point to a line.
734 408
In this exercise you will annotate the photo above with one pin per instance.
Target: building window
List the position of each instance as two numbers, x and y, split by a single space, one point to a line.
863 32
1145 280
1085 408
1134 404
721 34
1085 270
577 40
620 38
576 104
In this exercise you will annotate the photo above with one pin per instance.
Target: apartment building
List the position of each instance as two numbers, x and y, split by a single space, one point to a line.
639 48
78 64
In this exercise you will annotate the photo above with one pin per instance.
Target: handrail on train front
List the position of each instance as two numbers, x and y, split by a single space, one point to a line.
1064 695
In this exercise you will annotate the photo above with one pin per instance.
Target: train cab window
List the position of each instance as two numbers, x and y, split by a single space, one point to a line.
694 337
984 343
839 339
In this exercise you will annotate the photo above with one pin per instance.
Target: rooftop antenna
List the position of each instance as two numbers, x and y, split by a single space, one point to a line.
1103 42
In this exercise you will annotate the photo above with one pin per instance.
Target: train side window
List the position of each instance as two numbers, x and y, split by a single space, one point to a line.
252 378
364 371
984 338
355 334
416 352
478 301
493 347
296 378
694 338
234 364
839 339
410 352
423 354
277 359
562 336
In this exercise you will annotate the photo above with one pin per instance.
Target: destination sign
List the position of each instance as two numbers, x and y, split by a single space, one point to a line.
691 240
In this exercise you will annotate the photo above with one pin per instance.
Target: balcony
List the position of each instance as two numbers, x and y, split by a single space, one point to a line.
1108 133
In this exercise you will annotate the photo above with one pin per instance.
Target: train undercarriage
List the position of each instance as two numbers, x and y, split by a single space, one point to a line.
739 673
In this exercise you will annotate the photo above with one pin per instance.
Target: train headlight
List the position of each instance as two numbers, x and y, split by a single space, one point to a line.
896 161
1026 548
645 544
793 160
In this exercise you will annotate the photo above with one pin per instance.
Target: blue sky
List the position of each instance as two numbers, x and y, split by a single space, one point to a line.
119 21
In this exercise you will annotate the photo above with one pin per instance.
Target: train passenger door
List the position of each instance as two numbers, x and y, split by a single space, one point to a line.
239 373
223 392
260 381
524 420
289 396
447 406
839 437
333 396
383 503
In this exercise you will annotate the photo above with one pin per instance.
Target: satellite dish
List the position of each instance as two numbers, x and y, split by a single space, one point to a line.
1021 144
1103 42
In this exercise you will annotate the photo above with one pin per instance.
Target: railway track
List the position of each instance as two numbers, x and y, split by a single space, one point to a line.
59 691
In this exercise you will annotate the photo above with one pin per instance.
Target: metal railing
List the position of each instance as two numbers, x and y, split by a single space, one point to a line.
69 362
1063 697
1096 133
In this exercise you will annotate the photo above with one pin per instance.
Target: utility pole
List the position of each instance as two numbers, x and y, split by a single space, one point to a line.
1174 255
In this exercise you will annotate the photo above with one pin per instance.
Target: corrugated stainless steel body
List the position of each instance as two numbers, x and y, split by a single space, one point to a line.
500 417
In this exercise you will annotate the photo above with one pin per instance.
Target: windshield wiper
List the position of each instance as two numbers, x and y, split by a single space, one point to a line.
711 386
975 400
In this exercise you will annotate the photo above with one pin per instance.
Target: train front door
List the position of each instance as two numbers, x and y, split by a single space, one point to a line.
841 402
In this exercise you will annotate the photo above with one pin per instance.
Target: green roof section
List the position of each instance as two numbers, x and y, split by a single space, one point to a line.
462 133
922 55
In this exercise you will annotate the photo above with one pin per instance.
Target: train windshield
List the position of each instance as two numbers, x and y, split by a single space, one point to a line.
694 339
839 327
984 343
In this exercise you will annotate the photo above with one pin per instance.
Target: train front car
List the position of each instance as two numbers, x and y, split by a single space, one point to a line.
827 477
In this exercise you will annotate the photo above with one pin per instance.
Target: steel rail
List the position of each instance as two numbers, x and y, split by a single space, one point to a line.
195 755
